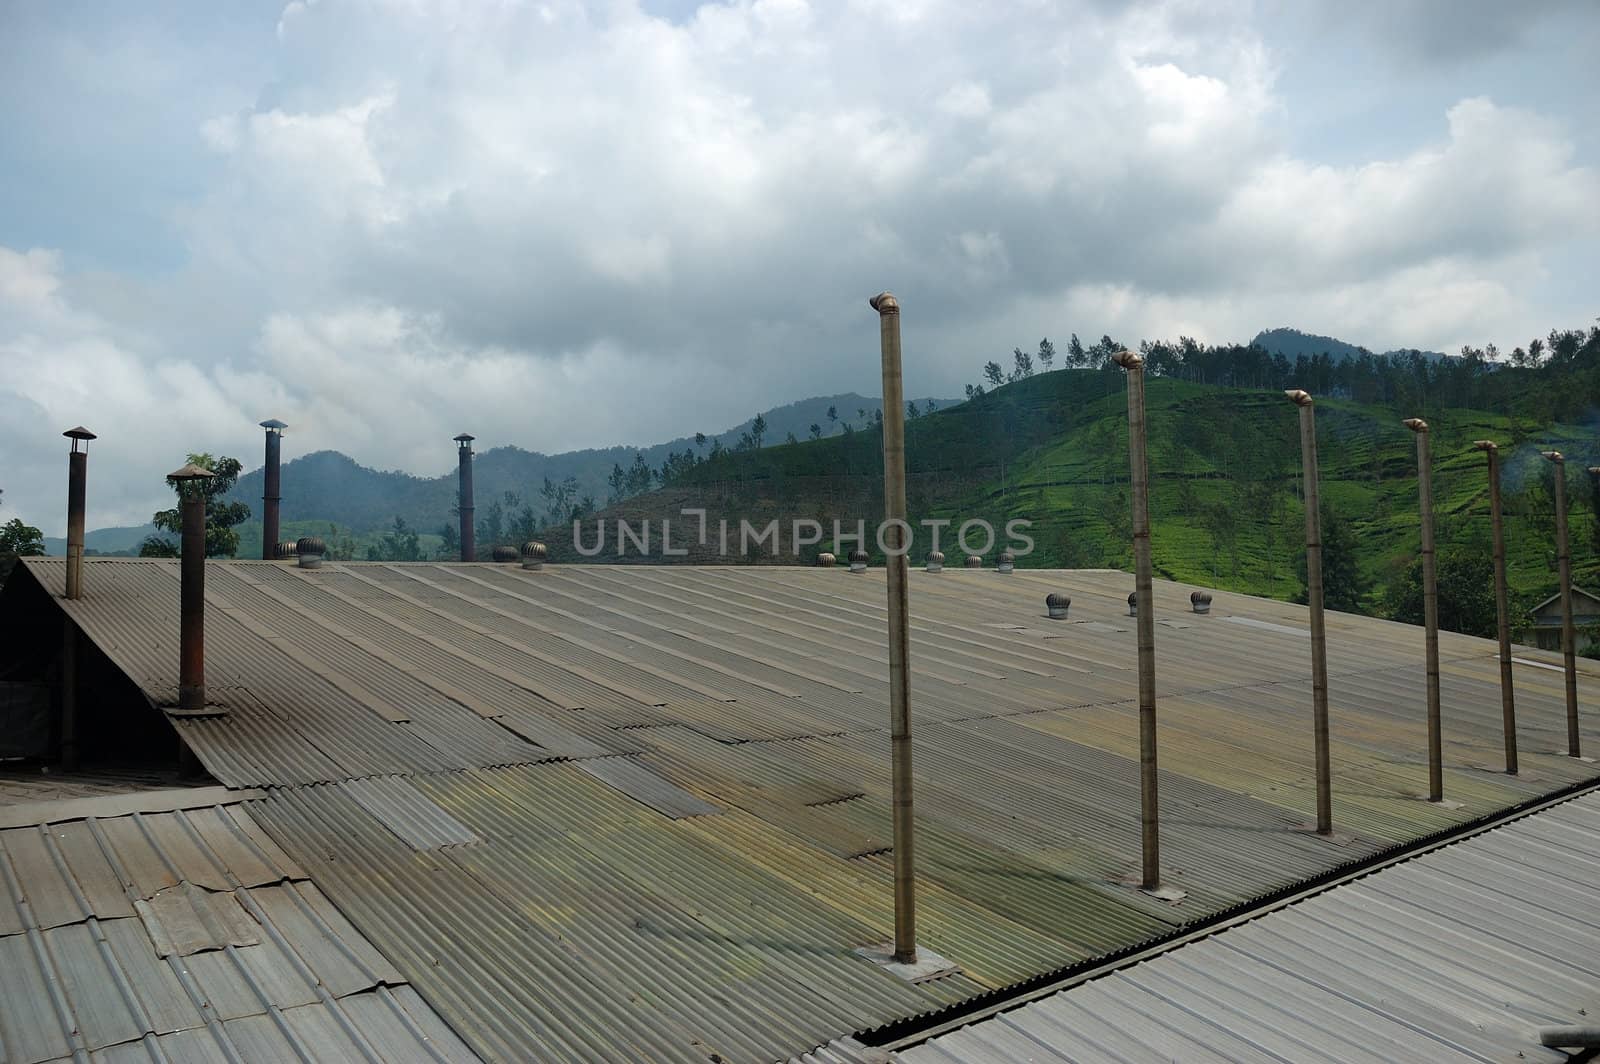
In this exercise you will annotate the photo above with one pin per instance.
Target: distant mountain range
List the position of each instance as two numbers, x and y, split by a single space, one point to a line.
329 486
104 540
1292 343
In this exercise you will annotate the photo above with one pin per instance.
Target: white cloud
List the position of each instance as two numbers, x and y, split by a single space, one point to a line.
968 99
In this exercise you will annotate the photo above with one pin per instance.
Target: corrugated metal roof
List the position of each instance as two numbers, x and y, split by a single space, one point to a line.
187 934
644 813
1459 954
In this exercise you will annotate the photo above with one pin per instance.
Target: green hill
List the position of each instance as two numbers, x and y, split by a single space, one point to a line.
1292 343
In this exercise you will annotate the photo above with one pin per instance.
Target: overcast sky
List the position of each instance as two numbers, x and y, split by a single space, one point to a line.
563 225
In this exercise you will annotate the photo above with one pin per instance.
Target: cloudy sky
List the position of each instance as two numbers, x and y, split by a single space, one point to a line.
562 224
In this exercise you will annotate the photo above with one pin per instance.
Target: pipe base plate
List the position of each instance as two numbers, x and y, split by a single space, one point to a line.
929 965
1336 837
1169 894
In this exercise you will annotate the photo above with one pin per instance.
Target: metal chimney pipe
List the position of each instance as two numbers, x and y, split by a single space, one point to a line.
1146 624
190 482
271 494
1564 568
1430 607
1502 605
897 562
1319 629
77 491
469 551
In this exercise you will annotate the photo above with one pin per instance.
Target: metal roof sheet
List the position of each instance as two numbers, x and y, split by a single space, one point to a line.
186 933
408 813
584 723
1459 954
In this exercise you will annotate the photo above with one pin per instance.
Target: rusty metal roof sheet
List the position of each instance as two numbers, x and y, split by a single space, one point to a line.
186 933
1459 954
595 813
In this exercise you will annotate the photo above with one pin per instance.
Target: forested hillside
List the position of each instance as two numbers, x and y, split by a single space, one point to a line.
1224 462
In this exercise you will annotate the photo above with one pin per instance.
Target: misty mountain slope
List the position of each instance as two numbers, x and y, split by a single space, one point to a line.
1292 343
105 540
329 486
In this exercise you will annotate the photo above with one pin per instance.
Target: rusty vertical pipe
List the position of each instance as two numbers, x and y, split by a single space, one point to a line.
271 492
1568 635
897 563
190 482
77 493
1430 607
1149 815
1319 630
469 551
1502 605
192 623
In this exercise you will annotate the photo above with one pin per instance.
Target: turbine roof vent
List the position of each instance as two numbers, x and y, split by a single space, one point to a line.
309 551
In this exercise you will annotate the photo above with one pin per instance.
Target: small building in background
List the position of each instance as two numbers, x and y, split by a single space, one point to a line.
1543 627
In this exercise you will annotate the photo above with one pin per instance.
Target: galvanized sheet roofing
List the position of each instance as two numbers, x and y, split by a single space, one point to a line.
1460 954
186 934
642 813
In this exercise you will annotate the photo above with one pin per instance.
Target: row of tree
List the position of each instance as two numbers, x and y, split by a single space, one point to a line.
1413 379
